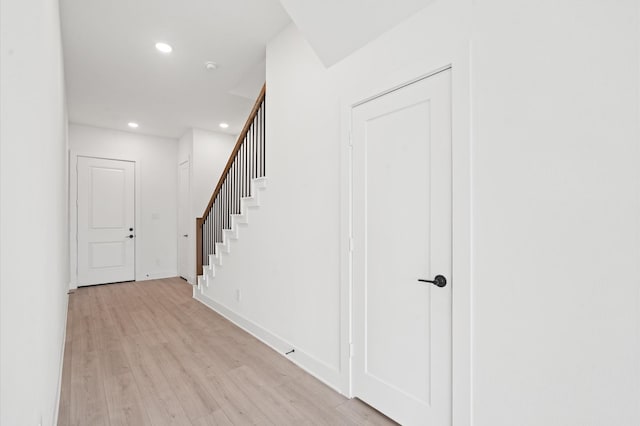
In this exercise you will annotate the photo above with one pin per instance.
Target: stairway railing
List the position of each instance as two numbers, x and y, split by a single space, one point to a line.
246 162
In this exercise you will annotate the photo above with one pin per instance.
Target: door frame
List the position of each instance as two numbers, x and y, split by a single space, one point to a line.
73 213
462 291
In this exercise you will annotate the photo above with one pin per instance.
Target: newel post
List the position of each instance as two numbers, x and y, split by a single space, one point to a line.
199 222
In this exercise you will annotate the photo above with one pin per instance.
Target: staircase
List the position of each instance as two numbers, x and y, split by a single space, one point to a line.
237 192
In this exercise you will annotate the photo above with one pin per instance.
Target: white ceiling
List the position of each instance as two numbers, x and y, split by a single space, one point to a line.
115 75
337 28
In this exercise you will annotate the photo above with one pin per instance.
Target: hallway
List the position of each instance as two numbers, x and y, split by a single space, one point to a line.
147 353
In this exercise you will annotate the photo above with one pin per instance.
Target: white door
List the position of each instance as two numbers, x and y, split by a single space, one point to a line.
106 221
184 222
402 234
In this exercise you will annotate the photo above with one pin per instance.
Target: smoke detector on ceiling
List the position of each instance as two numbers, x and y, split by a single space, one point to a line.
210 65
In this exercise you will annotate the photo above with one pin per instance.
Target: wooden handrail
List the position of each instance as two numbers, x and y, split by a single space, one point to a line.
236 148
201 220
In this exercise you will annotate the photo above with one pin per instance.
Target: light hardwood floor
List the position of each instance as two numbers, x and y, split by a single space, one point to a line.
146 353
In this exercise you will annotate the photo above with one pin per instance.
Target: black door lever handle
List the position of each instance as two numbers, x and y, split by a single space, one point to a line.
438 281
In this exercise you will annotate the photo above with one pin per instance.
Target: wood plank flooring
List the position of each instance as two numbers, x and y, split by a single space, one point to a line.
146 353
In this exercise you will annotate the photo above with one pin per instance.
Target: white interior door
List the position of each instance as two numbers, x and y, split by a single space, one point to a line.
106 221
184 222
402 233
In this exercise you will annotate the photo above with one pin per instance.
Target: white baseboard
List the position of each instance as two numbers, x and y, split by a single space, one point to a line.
325 373
64 344
157 275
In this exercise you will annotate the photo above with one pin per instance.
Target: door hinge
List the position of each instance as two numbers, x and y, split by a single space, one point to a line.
351 244
350 350
350 138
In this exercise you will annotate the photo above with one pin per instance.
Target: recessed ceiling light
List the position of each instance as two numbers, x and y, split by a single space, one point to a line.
133 125
164 47
210 65
224 125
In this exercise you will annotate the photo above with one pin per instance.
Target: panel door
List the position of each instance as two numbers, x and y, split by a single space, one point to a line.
106 221
402 234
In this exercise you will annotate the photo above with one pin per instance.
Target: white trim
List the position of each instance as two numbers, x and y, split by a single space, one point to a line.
73 220
320 370
56 413
462 151
191 254
169 273
346 149
398 87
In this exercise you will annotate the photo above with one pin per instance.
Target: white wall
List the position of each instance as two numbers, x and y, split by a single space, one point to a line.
286 263
208 153
156 193
211 152
33 212
546 204
185 147
557 210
